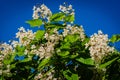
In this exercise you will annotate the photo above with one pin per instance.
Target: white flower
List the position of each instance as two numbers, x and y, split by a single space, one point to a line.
66 9
74 30
24 36
5 49
98 46
66 31
33 47
22 29
26 52
41 12
15 43
41 52
46 35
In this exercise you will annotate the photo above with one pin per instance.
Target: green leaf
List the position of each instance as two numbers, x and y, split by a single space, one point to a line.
73 56
39 34
69 18
54 25
107 63
115 38
57 17
65 45
26 59
6 61
71 38
64 53
9 59
65 73
44 62
70 76
20 50
35 22
86 40
75 77
87 61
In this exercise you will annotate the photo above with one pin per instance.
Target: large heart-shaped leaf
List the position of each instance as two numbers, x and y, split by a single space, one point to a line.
34 22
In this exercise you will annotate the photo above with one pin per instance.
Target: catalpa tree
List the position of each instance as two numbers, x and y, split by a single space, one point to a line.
62 51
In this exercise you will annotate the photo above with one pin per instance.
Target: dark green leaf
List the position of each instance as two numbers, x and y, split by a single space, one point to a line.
108 63
35 22
66 74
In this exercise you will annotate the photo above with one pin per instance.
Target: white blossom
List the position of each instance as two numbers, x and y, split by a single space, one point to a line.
15 43
41 52
5 49
98 46
66 9
65 33
41 12
24 36
33 47
74 30
49 76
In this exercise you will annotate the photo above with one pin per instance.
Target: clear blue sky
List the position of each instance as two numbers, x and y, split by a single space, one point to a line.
94 15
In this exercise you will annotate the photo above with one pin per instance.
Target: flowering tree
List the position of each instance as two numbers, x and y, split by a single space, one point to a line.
62 51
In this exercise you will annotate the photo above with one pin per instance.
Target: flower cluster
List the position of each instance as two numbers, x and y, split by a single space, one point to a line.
98 46
74 30
41 12
5 50
25 37
67 9
45 50
50 76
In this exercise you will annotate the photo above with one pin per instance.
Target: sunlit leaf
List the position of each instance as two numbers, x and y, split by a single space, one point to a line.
34 23
69 18
75 77
63 53
44 62
71 38
70 76
54 25
65 45
115 38
20 50
57 17
87 61
39 34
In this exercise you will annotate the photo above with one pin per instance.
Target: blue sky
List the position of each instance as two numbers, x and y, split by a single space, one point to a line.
94 15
